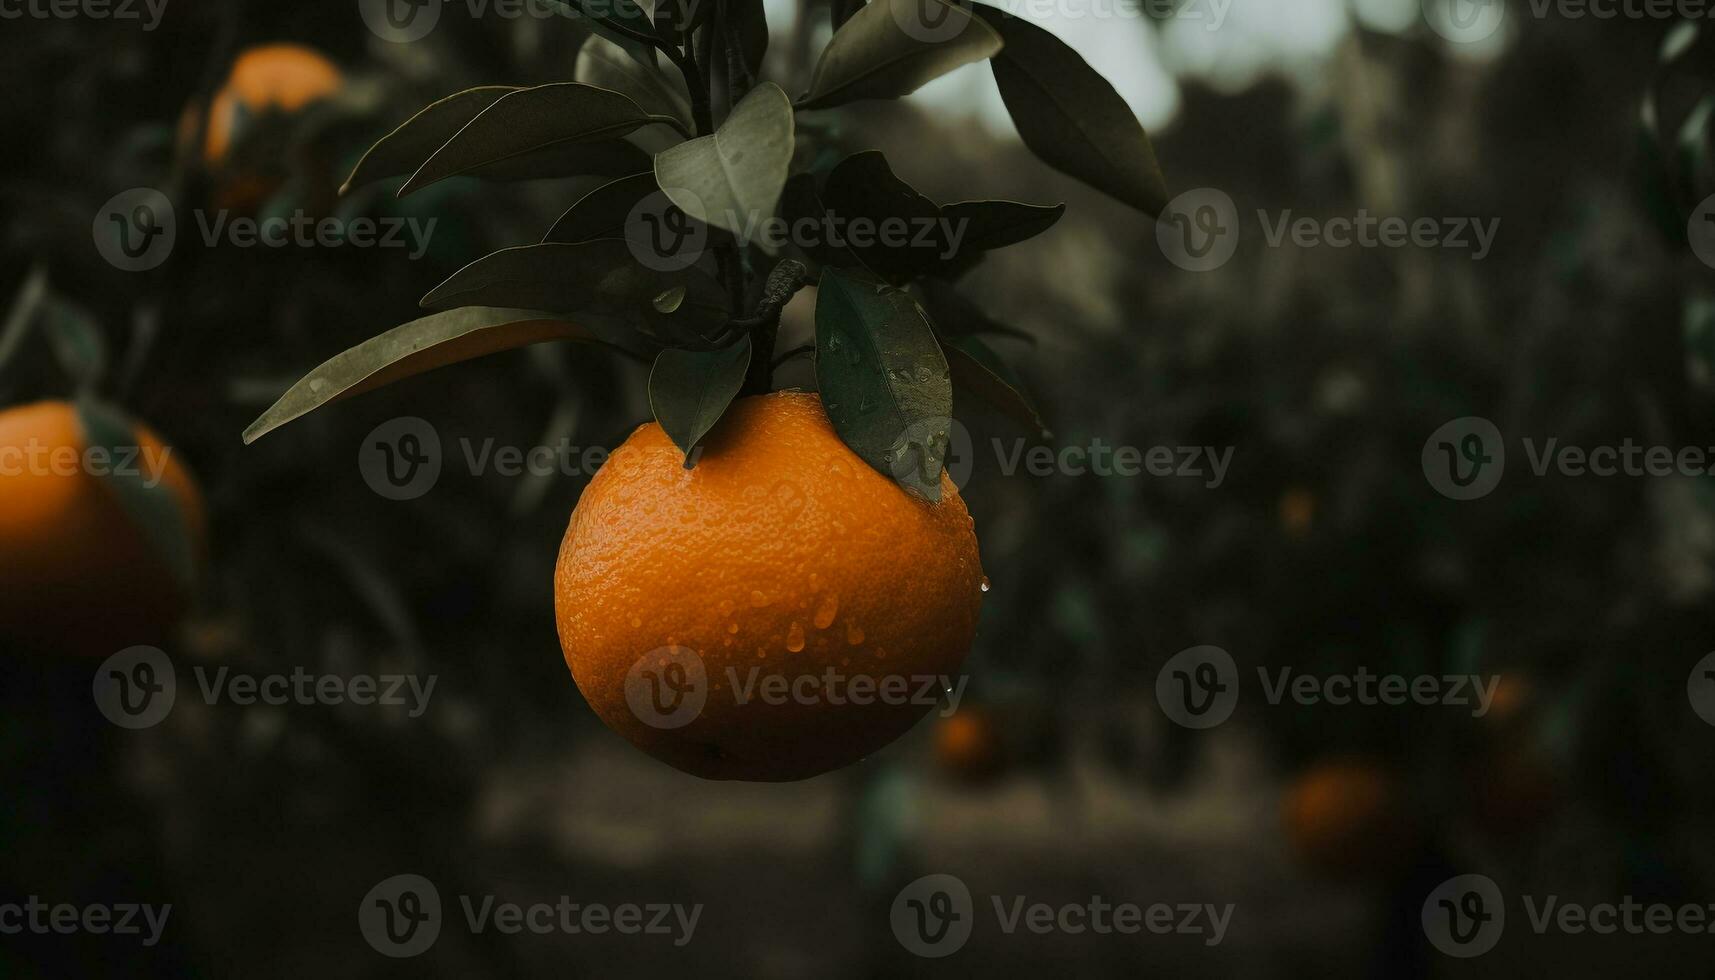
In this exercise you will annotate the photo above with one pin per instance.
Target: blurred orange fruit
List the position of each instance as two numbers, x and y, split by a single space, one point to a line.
1297 511
781 562
78 575
1347 817
279 78
968 746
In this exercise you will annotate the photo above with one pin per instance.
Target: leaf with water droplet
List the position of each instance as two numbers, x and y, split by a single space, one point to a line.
887 337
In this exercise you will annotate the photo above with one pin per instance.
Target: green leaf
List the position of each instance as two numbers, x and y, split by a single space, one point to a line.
605 64
622 22
602 213
840 11
873 56
76 340
801 201
732 178
520 125
749 23
404 150
412 349
690 390
1070 116
600 279
988 225
978 371
883 378
23 313
152 507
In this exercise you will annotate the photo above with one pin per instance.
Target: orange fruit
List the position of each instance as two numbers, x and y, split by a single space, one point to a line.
78 575
1346 817
778 611
968 746
277 78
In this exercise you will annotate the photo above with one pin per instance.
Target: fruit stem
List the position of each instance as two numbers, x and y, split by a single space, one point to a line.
783 283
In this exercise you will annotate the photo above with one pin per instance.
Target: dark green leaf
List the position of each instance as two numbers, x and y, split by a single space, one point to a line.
622 22
840 11
749 21
404 150
76 339
602 213
412 349
1070 116
150 503
599 279
605 64
521 125
801 204
690 390
732 178
978 371
956 316
873 56
883 379
23 313
988 225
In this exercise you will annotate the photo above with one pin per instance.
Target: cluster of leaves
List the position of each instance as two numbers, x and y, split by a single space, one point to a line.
894 337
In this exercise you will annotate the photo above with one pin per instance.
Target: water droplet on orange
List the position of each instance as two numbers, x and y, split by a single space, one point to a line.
825 613
985 585
854 633
795 638
757 599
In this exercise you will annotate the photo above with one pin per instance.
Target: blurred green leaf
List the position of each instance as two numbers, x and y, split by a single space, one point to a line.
748 20
955 316
511 135
883 379
978 371
76 340
873 57
23 313
690 390
412 349
732 178
1071 117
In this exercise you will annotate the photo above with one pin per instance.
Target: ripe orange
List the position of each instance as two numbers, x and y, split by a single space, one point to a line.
968 746
282 78
1347 817
780 559
77 574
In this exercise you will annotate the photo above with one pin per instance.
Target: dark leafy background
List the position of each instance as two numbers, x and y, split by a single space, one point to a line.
1325 369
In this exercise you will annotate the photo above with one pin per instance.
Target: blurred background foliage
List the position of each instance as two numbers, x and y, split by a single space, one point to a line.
1324 549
